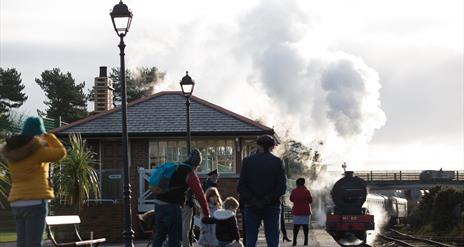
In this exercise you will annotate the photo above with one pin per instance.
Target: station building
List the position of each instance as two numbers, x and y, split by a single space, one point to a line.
157 134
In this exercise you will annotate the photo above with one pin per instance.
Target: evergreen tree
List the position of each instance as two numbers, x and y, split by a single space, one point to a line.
11 95
65 97
139 83
295 157
300 159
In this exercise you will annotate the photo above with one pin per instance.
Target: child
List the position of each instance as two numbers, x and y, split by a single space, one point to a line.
226 223
208 231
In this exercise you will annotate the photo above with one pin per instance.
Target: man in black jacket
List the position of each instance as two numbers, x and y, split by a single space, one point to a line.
262 183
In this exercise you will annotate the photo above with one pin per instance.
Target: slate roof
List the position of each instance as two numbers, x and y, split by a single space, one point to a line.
164 114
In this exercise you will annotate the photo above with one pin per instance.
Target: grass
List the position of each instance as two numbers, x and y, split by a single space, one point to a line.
7 237
11 237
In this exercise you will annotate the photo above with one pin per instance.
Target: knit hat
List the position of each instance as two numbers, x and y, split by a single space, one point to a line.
33 126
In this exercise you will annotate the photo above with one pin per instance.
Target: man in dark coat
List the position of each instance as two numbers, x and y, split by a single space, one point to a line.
262 183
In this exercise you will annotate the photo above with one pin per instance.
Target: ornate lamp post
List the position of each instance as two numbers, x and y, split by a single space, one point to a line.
122 17
187 85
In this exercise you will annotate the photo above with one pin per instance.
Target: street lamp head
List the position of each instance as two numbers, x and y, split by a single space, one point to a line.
122 18
187 85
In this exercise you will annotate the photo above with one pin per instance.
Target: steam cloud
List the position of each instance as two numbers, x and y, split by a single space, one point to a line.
268 64
333 96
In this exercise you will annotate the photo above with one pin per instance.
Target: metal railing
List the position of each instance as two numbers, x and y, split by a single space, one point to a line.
399 175
145 200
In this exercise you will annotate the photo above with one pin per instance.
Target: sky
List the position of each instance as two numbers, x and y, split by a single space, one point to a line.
380 82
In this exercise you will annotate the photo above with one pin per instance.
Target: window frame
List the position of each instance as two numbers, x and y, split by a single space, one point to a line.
207 140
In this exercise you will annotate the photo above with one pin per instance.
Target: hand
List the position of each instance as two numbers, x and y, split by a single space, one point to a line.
207 220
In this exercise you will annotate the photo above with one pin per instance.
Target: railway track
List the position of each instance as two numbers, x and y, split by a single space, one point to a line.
408 240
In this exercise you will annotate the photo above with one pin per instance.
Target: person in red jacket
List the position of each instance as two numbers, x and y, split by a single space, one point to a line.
301 211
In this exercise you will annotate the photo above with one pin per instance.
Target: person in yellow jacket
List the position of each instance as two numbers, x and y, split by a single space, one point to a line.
28 156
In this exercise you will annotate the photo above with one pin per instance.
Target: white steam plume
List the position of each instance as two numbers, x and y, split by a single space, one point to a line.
380 221
332 96
270 63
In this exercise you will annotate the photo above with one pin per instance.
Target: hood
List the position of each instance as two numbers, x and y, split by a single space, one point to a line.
223 214
19 147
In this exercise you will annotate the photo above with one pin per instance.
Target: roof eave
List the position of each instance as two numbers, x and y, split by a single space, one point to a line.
174 134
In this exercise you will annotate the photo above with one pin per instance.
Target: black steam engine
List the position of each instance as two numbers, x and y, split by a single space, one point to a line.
348 219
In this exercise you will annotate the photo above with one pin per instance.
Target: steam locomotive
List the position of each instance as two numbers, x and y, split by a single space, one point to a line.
349 220
351 217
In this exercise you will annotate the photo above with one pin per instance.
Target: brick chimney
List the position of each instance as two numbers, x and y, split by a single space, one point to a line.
103 91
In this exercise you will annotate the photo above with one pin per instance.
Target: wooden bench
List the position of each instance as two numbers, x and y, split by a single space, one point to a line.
55 221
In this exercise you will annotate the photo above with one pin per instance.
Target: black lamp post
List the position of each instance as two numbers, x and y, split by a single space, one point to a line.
122 17
187 85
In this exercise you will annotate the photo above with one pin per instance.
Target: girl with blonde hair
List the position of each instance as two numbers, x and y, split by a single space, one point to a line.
208 231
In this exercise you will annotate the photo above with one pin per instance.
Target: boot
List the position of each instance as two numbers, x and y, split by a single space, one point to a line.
305 232
285 239
295 233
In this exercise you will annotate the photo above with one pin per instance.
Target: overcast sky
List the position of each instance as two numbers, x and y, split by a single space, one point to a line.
381 82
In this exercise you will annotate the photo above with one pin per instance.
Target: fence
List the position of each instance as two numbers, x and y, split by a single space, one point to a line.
146 200
400 175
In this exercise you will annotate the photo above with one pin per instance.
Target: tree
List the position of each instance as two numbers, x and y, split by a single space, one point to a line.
302 160
76 179
14 122
66 99
11 95
4 182
439 211
295 157
139 83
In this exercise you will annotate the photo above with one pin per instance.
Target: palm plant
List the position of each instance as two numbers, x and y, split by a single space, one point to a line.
10 124
4 183
76 177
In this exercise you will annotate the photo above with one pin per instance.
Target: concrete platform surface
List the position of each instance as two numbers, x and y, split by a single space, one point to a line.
317 238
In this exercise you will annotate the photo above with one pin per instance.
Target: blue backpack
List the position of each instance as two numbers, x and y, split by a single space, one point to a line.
160 179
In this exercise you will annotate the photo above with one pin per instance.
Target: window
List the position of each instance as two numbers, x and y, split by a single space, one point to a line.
249 148
217 153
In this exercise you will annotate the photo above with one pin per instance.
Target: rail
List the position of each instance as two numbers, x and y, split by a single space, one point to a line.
410 240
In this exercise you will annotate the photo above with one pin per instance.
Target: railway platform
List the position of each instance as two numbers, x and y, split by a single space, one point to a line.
317 238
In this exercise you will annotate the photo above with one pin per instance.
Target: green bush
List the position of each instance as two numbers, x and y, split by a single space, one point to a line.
440 210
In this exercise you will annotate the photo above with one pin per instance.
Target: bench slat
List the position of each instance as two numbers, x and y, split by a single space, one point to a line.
94 241
62 220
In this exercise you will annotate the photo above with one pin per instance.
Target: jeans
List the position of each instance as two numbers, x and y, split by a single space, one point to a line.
187 214
271 217
168 222
224 243
30 224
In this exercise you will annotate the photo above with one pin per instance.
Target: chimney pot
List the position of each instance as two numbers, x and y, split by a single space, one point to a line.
103 71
